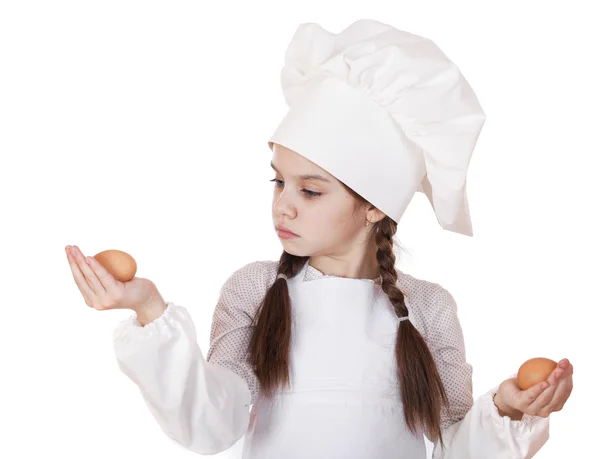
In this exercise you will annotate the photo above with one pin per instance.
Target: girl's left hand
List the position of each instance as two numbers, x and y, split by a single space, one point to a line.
540 399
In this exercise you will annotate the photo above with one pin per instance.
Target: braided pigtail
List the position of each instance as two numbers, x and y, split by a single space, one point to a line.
269 346
420 384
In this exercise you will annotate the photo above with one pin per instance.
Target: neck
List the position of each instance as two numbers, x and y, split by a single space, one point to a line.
359 269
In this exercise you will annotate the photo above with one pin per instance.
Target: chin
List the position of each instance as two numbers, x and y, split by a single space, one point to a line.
294 251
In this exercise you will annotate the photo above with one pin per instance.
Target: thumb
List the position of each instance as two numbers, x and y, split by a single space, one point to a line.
510 391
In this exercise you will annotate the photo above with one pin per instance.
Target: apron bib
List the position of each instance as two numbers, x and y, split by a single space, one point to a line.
344 399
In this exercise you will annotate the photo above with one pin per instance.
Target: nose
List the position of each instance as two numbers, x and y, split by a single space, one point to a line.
282 204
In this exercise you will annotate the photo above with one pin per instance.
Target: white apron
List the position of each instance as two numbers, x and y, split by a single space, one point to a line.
344 401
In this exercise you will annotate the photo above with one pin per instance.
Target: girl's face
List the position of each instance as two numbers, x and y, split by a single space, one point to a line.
313 204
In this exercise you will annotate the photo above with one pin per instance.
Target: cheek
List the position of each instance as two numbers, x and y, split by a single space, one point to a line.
332 222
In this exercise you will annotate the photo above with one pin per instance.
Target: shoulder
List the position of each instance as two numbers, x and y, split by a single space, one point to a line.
432 303
249 283
424 293
255 273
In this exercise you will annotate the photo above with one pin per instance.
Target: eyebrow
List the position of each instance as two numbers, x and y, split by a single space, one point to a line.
307 176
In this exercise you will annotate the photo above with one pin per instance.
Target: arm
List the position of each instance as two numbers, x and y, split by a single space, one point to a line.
199 403
474 430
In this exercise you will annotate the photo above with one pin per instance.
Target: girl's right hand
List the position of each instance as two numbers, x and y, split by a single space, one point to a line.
102 291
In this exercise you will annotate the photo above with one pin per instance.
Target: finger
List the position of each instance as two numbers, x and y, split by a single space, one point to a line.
106 278
563 369
562 393
553 396
548 387
528 396
565 364
80 280
93 281
542 405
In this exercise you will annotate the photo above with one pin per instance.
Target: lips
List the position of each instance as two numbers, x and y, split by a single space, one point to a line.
286 229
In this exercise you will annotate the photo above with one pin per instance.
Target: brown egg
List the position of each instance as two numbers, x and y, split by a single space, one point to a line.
534 371
120 264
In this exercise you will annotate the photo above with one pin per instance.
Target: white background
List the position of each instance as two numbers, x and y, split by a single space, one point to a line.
143 126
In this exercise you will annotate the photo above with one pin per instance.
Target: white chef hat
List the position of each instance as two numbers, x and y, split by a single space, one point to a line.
386 113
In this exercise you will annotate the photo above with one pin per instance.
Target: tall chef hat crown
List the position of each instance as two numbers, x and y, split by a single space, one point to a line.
386 113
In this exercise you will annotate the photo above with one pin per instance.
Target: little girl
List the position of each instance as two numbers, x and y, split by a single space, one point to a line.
331 352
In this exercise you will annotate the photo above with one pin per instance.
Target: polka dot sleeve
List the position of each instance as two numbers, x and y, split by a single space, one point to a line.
470 427
231 328
446 340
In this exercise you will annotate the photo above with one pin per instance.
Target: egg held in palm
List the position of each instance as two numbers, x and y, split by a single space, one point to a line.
120 264
534 371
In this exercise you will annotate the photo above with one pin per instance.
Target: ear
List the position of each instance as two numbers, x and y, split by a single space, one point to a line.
374 214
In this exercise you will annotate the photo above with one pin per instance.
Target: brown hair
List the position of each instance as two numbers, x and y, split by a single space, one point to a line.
420 384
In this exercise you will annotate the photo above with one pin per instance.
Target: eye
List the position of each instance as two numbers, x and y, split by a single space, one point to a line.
309 194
